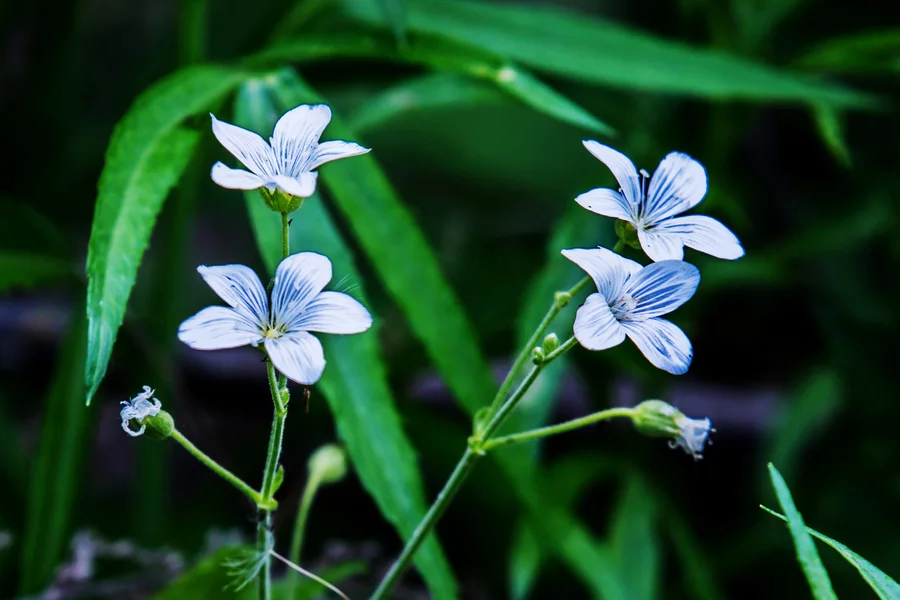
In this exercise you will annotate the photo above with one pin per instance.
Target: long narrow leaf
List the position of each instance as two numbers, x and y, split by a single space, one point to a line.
807 554
146 156
355 380
634 541
28 270
591 49
881 583
55 476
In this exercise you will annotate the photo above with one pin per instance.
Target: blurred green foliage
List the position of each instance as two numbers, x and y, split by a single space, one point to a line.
452 226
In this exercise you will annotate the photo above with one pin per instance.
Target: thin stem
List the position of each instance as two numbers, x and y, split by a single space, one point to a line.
264 543
559 428
463 467
217 468
510 404
264 540
309 492
285 236
566 346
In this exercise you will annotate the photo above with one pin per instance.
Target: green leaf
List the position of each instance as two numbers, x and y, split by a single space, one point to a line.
696 567
147 153
448 57
831 130
402 258
355 381
880 582
57 471
29 270
395 12
635 541
423 93
861 53
807 554
594 50
207 580
524 562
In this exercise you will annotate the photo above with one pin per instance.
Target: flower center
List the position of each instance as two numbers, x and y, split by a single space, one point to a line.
622 308
272 334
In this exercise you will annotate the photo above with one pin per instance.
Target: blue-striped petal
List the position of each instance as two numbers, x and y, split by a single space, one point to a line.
679 183
662 343
240 288
703 234
298 279
334 312
622 168
298 356
235 179
608 270
329 151
217 328
660 245
301 186
595 326
608 203
661 287
295 137
246 146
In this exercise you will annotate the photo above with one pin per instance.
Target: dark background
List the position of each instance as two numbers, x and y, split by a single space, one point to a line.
795 344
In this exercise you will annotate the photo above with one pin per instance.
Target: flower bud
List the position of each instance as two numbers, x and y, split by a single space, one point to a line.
551 343
628 234
659 419
279 201
160 426
328 463
537 356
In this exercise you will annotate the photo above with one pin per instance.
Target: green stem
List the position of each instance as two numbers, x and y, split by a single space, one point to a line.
309 493
285 236
560 428
217 468
264 540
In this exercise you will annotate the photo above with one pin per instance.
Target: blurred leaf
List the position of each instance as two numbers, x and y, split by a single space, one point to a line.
56 474
591 49
870 52
207 580
635 542
525 560
403 259
696 568
831 129
427 92
146 155
395 12
806 412
880 582
29 270
355 380
23 228
443 56
807 555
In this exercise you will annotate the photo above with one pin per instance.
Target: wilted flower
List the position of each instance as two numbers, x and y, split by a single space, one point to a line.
298 306
650 205
660 419
694 433
138 409
629 301
289 164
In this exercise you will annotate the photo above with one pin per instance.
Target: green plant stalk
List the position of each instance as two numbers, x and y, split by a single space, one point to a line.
309 493
285 233
560 428
216 468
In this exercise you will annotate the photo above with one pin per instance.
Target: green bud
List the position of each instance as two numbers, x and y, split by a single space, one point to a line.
659 419
551 343
537 356
562 299
482 418
279 201
628 234
328 463
159 426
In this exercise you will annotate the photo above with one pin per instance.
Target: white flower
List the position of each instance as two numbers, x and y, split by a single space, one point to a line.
692 438
650 205
290 162
139 408
298 306
629 301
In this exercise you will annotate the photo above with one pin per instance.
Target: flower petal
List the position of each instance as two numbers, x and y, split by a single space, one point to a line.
679 183
662 287
235 179
622 168
302 186
217 328
298 356
334 312
608 270
608 203
298 279
595 326
240 288
703 234
660 245
246 146
329 151
295 137
662 343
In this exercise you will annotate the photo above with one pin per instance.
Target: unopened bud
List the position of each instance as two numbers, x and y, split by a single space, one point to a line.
660 419
537 356
328 463
551 343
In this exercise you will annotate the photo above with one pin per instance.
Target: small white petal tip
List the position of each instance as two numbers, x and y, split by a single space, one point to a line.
693 437
138 409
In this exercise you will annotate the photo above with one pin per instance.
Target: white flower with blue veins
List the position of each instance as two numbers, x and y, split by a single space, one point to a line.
298 307
289 163
651 203
629 301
